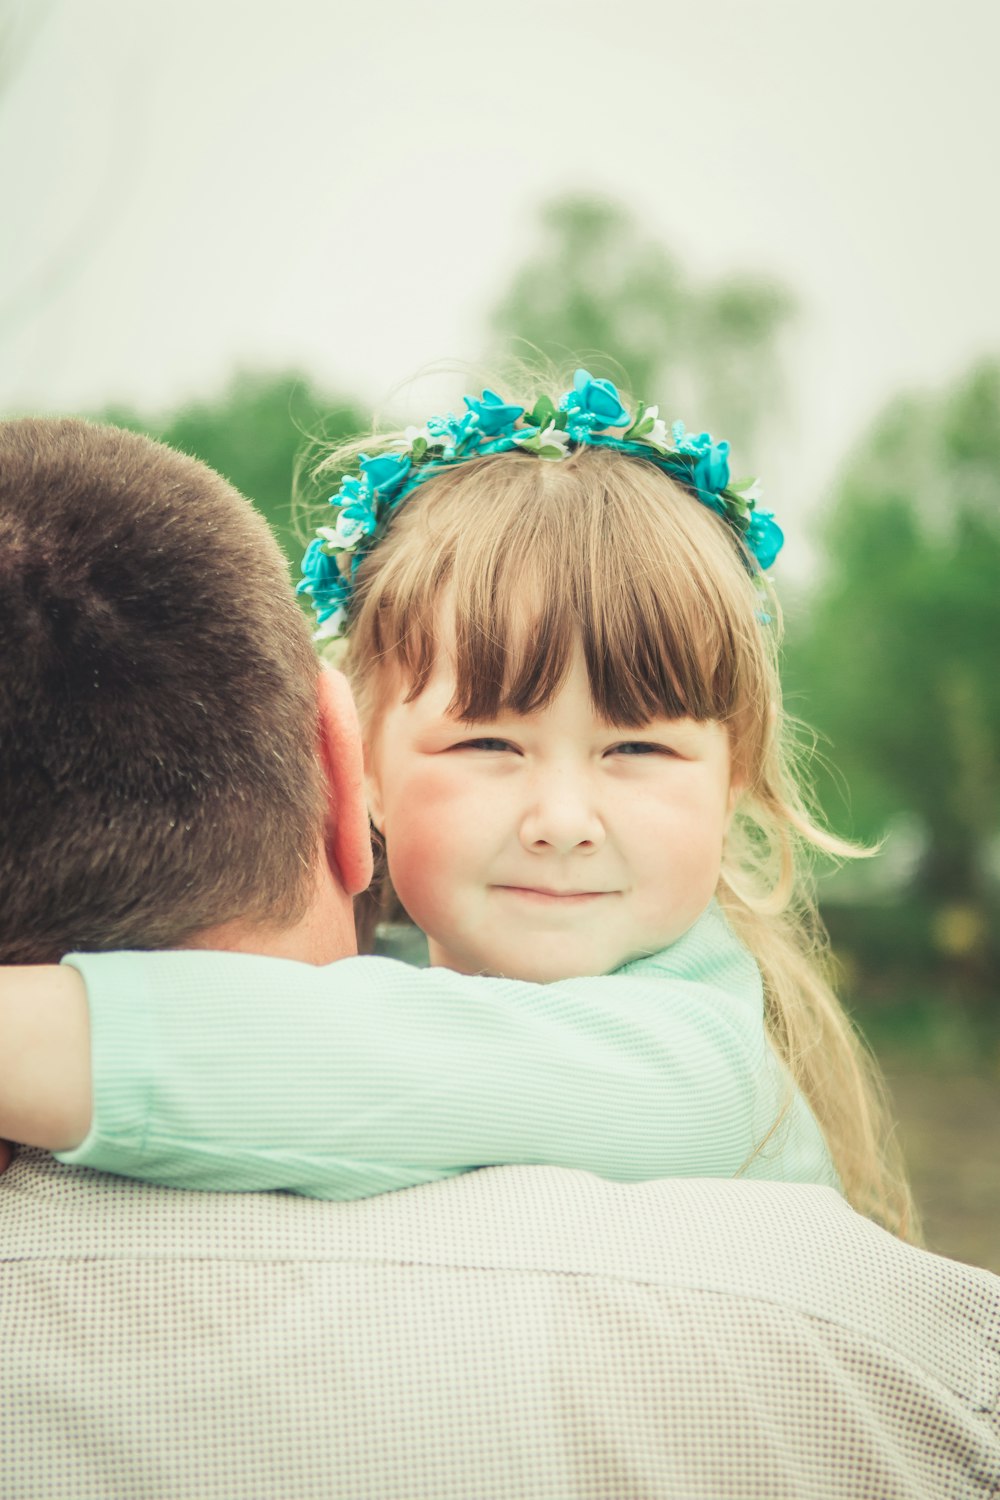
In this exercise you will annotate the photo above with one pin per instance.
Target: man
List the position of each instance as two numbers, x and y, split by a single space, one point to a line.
169 752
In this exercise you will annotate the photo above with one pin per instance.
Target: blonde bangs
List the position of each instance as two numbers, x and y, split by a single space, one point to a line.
532 560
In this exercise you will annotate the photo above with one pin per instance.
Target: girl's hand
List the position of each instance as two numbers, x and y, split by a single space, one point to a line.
45 1094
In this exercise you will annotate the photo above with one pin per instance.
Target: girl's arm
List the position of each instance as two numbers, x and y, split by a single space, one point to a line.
223 1070
226 1071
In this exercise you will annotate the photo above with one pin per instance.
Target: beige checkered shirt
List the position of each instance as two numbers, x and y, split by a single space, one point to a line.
519 1332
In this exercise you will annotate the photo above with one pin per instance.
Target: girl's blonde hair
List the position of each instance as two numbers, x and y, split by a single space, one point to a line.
604 550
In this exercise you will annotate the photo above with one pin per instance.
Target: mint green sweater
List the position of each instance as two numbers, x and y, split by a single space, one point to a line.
227 1071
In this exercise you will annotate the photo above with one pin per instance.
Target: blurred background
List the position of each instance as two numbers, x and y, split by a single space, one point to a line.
236 225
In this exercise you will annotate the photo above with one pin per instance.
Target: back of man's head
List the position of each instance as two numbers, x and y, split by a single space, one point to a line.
158 713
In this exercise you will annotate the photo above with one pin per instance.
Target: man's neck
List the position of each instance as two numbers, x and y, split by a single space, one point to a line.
322 935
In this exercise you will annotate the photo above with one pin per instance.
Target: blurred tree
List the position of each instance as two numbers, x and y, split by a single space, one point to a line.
599 284
253 433
897 663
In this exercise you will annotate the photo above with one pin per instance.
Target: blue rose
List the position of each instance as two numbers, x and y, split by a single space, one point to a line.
711 472
593 404
329 602
317 567
351 489
323 581
456 434
696 443
765 538
386 473
356 521
357 504
496 419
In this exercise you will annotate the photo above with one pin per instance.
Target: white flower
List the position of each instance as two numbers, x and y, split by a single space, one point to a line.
657 435
548 443
347 533
332 627
554 434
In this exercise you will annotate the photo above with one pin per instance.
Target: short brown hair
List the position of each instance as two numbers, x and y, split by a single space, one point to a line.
158 711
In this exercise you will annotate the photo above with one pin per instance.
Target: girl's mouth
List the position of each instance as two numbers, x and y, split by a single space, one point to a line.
544 894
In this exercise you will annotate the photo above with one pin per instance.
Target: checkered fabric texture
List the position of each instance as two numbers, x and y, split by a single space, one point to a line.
516 1333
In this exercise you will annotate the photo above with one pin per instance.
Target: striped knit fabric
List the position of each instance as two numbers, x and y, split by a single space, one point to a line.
232 1072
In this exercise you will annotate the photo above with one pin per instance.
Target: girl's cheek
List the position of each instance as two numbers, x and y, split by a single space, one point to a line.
423 878
421 848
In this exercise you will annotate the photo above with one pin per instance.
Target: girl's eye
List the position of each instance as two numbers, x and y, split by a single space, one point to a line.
641 747
486 742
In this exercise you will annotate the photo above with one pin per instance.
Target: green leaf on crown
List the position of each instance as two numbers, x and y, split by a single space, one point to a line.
543 412
637 429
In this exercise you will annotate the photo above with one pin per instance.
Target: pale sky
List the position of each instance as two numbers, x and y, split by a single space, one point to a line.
206 184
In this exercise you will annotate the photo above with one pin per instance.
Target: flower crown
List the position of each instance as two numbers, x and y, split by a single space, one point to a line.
367 501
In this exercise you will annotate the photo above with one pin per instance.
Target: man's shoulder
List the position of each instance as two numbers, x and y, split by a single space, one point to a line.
551 1330
794 1244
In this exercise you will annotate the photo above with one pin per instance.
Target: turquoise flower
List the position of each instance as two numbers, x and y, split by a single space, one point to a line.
323 582
386 473
765 538
351 489
455 435
496 419
711 472
358 516
353 525
367 499
315 566
591 406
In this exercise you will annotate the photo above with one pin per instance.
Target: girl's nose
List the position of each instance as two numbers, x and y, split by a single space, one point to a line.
562 818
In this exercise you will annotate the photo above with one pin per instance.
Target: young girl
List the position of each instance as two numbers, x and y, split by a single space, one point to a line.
565 576
563 647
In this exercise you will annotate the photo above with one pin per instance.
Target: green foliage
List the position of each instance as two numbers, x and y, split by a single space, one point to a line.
897 663
253 433
600 285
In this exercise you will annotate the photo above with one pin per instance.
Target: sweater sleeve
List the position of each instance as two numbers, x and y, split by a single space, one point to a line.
233 1072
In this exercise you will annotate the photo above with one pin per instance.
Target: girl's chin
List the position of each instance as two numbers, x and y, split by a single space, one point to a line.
541 965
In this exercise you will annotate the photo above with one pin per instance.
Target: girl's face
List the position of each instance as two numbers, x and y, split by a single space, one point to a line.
546 846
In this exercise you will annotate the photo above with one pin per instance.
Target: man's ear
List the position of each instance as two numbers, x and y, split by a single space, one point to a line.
348 839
